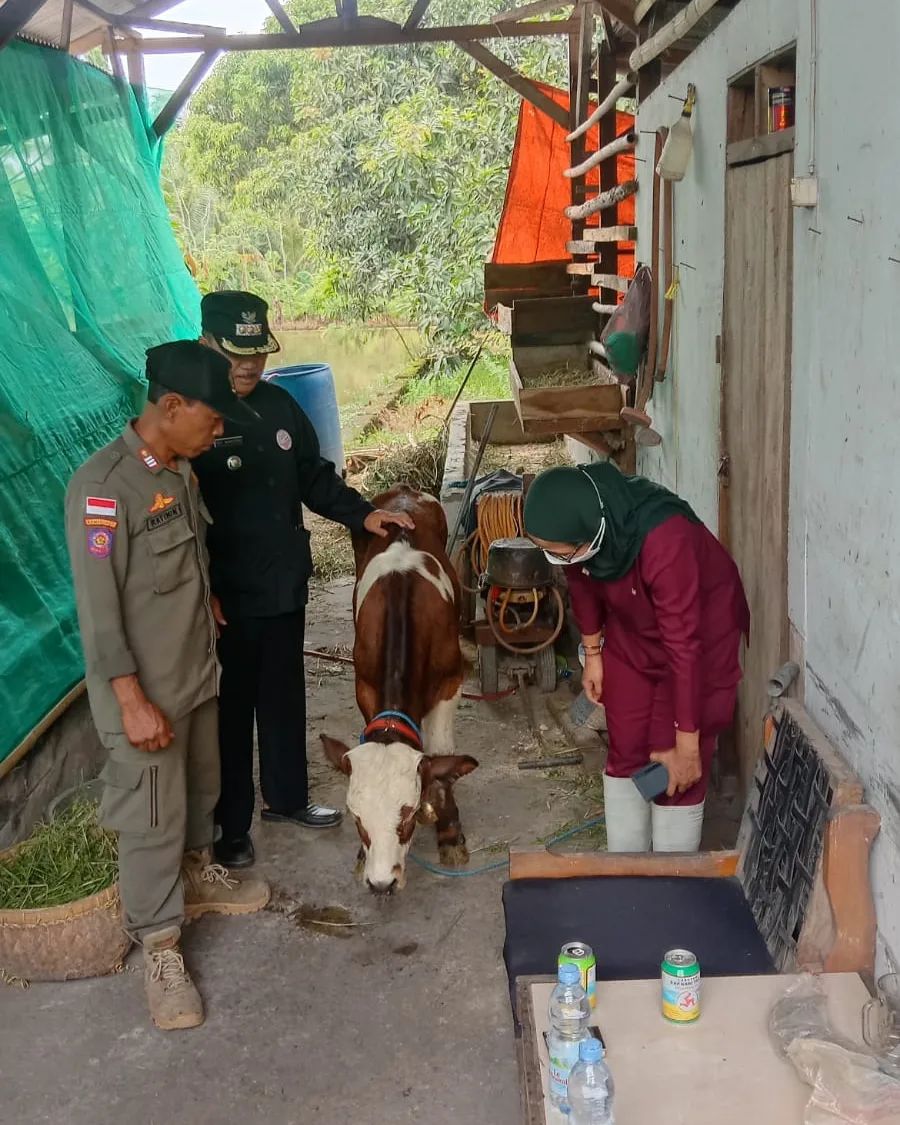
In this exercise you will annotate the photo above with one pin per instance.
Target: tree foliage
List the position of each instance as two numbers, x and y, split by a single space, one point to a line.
353 183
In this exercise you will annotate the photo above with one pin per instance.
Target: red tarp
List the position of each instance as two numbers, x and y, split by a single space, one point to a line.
533 226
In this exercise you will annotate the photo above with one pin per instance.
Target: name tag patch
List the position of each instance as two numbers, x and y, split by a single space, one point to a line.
228 442
162 518
100 521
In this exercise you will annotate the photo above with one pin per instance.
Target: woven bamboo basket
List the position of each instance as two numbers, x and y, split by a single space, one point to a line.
77 939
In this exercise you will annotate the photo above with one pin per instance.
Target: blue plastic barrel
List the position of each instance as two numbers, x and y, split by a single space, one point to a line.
312 386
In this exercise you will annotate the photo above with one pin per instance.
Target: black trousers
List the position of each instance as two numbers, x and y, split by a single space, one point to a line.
262 678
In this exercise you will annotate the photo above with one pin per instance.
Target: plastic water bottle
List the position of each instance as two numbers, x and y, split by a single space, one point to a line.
591 1087
569 1015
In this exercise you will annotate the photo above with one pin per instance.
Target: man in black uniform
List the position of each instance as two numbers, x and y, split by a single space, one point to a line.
254 480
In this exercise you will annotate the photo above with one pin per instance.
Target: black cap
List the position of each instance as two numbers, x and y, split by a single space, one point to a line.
238 322
191 369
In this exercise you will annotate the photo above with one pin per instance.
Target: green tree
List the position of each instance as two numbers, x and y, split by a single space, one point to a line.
351 183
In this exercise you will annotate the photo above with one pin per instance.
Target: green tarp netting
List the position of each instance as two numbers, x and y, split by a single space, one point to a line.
90 276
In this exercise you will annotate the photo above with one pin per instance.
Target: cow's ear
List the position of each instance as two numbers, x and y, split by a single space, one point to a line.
336 753
450 767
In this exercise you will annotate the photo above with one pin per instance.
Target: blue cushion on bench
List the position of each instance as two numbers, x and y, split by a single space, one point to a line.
630 923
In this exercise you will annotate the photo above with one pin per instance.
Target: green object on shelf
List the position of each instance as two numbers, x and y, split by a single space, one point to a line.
623 352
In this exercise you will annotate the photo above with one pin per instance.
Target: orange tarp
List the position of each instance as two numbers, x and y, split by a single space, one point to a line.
533 226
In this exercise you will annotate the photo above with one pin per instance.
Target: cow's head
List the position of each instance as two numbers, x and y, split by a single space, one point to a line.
387 794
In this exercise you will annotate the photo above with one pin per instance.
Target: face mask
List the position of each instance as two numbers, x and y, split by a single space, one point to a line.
574 559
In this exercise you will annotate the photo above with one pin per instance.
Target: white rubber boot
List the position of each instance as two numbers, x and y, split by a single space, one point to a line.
676 828
627 816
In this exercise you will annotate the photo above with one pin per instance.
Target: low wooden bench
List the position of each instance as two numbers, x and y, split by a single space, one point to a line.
795 893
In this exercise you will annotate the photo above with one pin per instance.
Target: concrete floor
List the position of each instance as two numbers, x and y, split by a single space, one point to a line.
401 1018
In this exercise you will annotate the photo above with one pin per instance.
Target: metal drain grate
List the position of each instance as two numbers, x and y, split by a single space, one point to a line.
785 844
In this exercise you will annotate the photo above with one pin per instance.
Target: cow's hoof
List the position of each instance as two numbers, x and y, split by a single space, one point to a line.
453 855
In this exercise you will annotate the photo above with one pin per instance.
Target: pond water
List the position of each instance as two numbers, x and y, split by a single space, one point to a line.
362 359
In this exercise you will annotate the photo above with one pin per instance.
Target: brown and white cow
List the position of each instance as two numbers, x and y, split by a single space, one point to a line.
409 672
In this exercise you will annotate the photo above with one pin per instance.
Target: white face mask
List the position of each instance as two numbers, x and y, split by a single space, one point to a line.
593 547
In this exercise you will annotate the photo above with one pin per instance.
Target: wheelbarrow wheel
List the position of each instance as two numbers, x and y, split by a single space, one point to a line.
487 664
545 669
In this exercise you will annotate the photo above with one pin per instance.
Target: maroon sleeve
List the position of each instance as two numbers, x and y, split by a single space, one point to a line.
586 596
670 568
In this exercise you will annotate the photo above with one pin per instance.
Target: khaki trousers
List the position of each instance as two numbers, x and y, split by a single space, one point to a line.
161 804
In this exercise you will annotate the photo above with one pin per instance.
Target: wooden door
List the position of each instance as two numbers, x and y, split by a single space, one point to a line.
756 421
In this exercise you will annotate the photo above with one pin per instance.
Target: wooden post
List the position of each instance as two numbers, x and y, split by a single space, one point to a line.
608 261
579 99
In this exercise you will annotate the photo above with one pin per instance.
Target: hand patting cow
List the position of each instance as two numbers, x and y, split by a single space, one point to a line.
409 672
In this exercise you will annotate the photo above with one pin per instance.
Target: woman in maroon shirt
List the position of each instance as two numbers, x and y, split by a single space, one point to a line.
662 611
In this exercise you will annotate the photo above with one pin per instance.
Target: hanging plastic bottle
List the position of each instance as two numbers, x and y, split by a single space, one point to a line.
677 150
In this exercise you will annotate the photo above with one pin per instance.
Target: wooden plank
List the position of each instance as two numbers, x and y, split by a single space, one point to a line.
367 31
610 234
581 246
528 274
760 148
287 24
14 14
150 23
65 33
612 281
531 1088
647 373
552 320
523 86
670 33
526 11
189 83
756 416
622 10
662 360
581 269
538 863
416 16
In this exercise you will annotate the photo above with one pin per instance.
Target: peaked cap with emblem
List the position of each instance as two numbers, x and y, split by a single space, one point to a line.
189 368
238 322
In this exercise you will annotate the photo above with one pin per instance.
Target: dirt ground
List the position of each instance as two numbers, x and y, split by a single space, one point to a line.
398 1013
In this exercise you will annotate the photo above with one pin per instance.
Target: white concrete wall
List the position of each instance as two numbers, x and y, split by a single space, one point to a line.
844 526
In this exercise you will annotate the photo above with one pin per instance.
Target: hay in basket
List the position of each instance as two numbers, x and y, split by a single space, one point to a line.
60 917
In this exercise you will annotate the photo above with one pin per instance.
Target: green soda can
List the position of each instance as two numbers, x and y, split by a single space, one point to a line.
680 973
582 956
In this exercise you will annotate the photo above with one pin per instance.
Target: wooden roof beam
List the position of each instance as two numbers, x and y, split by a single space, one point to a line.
149 23
526 11
523 86
189 84
14 15
367 31
622 10
285 21
416 16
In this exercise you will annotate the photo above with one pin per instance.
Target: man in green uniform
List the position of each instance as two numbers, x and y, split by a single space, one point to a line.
136 531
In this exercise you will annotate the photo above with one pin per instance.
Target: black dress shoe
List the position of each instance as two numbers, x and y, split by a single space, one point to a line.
235 853
313 816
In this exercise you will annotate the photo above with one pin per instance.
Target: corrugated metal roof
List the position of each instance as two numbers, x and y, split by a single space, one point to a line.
45 25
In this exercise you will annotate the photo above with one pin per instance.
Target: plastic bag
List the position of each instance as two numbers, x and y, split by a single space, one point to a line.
847 1084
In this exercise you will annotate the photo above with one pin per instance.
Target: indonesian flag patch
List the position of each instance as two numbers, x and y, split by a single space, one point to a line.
100 506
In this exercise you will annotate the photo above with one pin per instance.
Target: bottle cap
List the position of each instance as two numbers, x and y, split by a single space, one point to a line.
569 974
590 1050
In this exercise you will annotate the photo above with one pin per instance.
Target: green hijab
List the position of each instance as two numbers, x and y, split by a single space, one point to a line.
566 505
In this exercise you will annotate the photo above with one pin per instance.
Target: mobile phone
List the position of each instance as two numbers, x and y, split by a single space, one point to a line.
652 780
